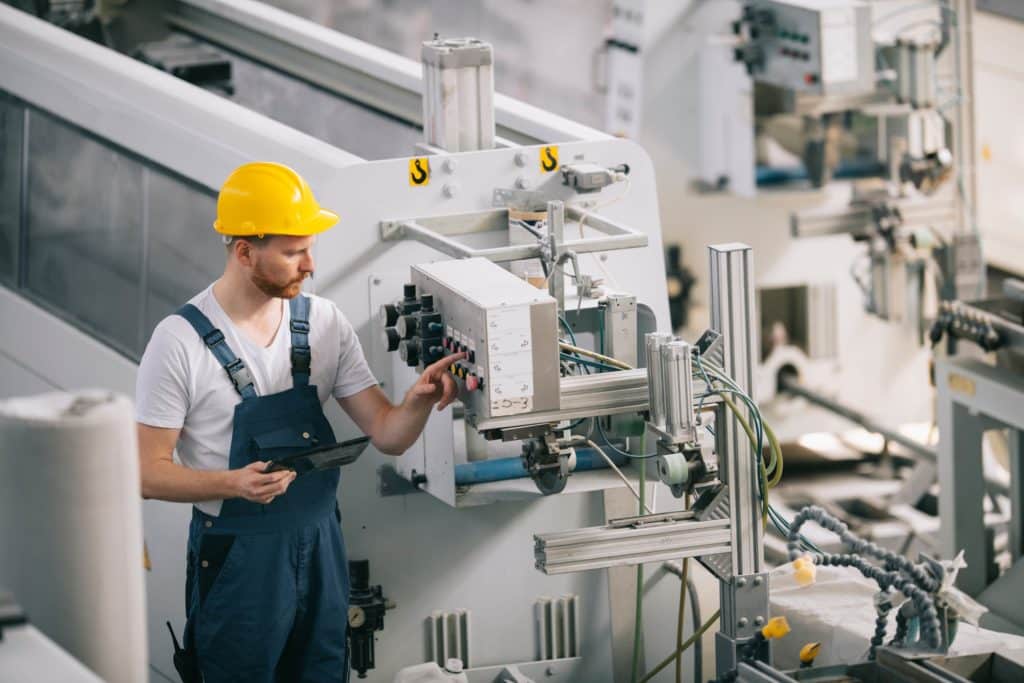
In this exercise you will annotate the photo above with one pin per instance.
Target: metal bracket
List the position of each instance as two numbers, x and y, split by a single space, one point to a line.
391 483
748 613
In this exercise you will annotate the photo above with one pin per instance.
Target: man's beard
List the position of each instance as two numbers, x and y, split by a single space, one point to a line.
273 289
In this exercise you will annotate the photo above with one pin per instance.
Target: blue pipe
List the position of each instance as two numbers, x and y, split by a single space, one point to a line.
501 469
778 175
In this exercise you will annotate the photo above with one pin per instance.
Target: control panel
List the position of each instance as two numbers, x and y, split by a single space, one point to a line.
507 328
819 47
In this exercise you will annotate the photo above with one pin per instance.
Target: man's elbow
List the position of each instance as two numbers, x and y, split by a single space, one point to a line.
146 488
391 448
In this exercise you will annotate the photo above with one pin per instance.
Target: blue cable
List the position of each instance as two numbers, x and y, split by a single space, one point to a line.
568 329
587 363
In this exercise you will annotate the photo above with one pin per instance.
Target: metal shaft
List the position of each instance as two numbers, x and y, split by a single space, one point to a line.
791 385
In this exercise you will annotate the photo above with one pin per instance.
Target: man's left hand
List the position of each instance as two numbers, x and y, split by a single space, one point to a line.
435 385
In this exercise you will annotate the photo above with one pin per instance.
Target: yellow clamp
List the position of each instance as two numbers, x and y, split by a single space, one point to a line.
809 652
804 570
777 627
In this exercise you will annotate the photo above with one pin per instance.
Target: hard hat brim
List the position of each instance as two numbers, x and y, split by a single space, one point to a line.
324 220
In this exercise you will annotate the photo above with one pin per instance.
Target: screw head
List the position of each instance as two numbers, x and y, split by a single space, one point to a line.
520 159
758 580
741 582
449 165
522 183
759 621
450 190
742 623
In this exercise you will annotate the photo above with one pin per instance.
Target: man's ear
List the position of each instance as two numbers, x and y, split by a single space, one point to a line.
243 252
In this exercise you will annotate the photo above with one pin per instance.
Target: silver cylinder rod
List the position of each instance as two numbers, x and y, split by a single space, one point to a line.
677 378
653 342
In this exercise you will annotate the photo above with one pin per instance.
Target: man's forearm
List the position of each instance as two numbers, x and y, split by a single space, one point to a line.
166 480
401 425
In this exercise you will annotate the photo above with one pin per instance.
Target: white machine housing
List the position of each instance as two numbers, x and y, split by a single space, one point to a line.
508 328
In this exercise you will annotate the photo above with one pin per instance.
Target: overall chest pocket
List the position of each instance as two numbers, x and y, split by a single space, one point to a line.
279 443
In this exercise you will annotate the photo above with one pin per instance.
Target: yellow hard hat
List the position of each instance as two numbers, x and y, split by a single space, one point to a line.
264 198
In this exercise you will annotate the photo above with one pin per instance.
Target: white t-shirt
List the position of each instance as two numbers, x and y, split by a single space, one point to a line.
181 384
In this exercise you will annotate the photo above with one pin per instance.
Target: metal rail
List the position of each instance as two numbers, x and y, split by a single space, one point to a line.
438 232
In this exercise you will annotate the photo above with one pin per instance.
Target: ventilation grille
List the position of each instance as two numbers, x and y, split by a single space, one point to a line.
558 627
449 636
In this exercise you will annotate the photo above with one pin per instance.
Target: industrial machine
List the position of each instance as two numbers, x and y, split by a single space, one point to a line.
978 395
470 222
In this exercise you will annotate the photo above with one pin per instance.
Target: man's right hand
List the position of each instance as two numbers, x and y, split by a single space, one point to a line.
252 484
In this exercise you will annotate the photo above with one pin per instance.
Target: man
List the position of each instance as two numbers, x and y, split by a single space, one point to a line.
235 379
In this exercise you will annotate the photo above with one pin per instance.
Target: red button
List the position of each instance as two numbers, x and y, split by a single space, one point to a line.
472 383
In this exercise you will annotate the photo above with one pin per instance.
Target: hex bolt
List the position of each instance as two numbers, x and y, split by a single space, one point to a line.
522 183
450 190
520 159
449 165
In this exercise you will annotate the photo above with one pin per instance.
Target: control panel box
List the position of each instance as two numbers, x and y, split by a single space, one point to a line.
817 47
507 327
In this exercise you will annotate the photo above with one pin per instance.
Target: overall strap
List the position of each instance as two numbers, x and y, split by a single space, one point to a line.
301 354
214 340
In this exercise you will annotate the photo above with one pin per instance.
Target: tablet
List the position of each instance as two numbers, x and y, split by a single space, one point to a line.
321 457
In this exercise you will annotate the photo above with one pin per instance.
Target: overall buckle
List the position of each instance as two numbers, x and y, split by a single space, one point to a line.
239 374
300 327
301 357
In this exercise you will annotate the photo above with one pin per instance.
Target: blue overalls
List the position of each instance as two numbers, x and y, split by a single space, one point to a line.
267 586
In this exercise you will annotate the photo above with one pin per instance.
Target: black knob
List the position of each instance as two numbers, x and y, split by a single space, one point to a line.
427 302
406 326
391 338
388 314
409 292
409 350
359 574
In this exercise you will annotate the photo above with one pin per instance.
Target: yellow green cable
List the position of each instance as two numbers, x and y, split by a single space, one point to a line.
682 648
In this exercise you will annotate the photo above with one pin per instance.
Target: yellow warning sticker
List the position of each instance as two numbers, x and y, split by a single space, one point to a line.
419 171
961 384
549 158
